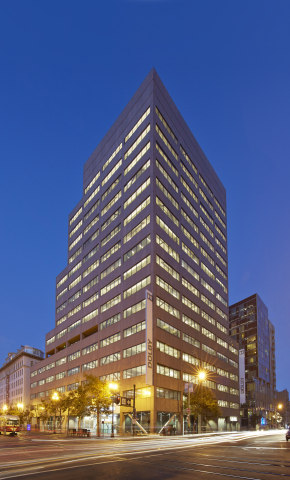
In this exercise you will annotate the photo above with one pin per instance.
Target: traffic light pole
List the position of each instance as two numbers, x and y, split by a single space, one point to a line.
112 433
134 410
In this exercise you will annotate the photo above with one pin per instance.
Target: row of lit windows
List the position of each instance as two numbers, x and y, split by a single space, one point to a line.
137 175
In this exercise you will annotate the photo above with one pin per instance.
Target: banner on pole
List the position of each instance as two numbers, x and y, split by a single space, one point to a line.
149 337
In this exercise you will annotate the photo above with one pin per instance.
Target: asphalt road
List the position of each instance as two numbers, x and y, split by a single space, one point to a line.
257 455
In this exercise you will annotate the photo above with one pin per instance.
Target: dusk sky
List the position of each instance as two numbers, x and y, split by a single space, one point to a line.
68 68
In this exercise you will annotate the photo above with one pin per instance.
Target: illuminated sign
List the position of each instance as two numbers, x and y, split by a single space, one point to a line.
149 337
242 376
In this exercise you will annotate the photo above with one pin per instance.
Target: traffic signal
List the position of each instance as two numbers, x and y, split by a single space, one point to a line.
117 399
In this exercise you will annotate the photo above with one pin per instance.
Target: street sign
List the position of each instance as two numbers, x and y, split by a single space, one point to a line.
126 402
188 410
190 388
186 388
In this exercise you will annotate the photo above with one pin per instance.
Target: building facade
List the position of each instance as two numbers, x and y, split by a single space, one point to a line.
15 377
152 219
251 327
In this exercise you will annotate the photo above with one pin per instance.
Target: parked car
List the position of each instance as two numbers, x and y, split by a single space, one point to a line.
287 435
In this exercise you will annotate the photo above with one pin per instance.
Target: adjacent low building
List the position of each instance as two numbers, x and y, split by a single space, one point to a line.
143 299
251 327
15 376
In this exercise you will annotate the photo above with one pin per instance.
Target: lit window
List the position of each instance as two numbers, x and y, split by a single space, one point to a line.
167 194
110 303
190 322
114 357
190 287
167 307
190 253
207 286
111 203
167 230
63 279
138 327
219 218
134 372
92 182
75 241
138 286
75 229
109 340
137 158
167 143
76 215
167 267
167 371
110 252
166 159
209 350
137 125
92 209
207 271
205 225
192 341
137 175
187 187
91 224
90 365
190 304
134 309
89 317
111 235
110 321
137 248
89 285
111 268
91 268
220 232
112 156
221 258
91 239
111 285
188 159
137 142
167 248
111 187
189 269
112 172
74 269
131 351
221 299
190 359
136 211
206 185
221 209
187 172
91 253
207 317
167 211
138 266
166 125
205 198
167 287
207 333
93 194
162 347
90 348
137 193
74 311
75 282
91 299
136 229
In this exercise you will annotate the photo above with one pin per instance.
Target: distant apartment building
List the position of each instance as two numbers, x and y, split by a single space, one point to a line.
251 327
147 265
15 376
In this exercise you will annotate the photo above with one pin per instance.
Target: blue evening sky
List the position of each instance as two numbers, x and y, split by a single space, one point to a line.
68 68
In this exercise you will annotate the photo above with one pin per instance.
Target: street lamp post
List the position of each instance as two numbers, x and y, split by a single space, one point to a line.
113 387
201 378
55 398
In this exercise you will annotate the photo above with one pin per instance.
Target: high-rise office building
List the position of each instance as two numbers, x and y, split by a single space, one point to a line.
152 218
251 327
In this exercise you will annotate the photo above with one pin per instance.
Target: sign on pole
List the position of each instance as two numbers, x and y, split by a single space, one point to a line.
190 388
149 337
188 410
186 388
242 376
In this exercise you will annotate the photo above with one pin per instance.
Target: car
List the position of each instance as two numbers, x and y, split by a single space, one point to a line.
287 435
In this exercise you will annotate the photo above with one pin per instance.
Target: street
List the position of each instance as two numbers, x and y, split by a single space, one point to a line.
246 455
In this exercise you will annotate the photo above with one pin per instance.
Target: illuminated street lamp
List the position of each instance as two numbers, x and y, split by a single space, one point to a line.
113 387
5 408
20 406
201 376
55 398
